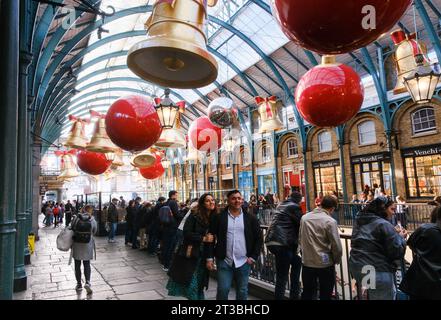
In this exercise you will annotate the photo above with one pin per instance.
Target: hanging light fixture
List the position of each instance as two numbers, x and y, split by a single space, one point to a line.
422 82
169 116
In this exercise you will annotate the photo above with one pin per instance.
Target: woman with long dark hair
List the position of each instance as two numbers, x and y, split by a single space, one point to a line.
376 246
188 272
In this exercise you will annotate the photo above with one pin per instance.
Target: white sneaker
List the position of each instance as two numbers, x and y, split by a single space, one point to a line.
88 288
165 269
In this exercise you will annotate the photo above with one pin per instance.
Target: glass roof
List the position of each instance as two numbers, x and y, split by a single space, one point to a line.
248 18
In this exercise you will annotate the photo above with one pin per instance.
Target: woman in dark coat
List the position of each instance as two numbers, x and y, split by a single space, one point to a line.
189 279
423 279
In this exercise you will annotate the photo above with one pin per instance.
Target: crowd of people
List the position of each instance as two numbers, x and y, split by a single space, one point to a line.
193 238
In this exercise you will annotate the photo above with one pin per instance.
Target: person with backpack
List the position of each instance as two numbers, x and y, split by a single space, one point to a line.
112 218
169 221
282 240
84 227
56 212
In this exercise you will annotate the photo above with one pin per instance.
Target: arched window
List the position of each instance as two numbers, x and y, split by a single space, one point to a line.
325 141
245 157
366 132
266 153
423 120
292 149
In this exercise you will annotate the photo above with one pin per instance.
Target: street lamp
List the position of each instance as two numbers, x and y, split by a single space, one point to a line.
422 82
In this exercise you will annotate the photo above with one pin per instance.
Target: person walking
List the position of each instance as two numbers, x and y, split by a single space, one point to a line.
321 249
376 249
69 212
189 279
282 240
112 219
83 250
238 242
154 228
129 222
423 279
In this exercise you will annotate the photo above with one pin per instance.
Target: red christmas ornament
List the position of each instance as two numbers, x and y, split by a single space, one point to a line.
155 171
331 27
204 135
330 94
133 124
92 163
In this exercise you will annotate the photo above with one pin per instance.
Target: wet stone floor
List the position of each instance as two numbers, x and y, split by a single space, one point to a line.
118 273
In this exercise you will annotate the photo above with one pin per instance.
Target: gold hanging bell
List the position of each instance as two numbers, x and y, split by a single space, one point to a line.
143 159
68 168
100 141
404 57
175 53
77 136
118 161
268 111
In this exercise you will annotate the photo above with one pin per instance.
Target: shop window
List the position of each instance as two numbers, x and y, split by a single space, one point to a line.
325 141
292 148
266 154
213 164
366 133
423 120
228 161
245 157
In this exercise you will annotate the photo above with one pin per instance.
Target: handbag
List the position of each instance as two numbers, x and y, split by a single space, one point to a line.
65 239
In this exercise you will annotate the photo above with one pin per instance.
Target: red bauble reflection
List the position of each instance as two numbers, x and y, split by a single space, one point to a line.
329 95
153 172
133 124
92 163
204 135
334 27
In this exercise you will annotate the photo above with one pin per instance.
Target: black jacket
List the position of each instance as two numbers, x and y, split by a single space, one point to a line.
219 227
112 214
375 242
423 279
177 214
285 225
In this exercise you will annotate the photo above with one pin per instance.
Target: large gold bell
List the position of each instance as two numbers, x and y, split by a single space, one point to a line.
77 137
68 168
175 53
268 111
100 141
143 159
404 57
171 138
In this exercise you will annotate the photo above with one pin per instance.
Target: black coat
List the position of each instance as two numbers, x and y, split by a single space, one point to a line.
112 214
194 231
423 279
375 242
219 228
285 225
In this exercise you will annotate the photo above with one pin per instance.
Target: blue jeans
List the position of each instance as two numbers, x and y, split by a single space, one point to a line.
286 258
384 284
112 231
225 275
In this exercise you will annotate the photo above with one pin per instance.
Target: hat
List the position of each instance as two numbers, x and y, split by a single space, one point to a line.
296 196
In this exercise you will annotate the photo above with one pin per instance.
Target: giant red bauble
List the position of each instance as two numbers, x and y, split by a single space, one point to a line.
329 95
133 124
92 163
204 135
334 27
154 171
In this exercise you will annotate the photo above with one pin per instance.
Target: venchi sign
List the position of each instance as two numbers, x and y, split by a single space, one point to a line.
420 152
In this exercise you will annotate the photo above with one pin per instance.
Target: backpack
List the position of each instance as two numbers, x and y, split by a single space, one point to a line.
56 211
165 216
82 229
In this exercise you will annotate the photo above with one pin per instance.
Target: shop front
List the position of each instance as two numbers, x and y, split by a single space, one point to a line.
371 169
266 181
422 171
327 178
294 180
245 184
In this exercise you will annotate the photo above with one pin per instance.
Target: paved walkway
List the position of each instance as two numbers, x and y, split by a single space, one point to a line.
119 273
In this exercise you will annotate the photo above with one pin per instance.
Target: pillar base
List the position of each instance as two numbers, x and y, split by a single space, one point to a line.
20 284
27 259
